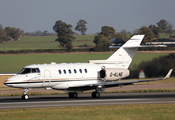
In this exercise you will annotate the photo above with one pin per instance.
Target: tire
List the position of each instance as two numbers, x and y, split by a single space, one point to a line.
73 95
25 97
95 94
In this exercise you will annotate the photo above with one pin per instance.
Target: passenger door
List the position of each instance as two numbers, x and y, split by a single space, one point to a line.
47 78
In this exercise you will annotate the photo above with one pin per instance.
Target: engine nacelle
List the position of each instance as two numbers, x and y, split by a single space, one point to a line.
111 74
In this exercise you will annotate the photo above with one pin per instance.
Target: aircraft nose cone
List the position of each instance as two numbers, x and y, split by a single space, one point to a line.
7 83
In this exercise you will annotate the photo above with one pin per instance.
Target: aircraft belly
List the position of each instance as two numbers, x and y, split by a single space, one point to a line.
71 84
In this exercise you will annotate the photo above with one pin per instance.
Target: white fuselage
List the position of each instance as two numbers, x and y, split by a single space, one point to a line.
57 76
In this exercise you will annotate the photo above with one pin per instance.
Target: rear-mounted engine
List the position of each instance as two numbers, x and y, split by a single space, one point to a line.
111 74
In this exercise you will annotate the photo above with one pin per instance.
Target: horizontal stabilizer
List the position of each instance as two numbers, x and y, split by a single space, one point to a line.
141 46
138 46
104 61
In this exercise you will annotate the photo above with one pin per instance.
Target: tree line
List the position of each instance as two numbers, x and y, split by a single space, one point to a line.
158 66
9 33
65 34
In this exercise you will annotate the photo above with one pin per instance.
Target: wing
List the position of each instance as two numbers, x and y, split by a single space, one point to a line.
121 83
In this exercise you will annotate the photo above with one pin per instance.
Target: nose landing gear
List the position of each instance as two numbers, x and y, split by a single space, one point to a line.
25 96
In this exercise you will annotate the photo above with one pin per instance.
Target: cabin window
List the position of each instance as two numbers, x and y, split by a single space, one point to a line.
64 71
29 70
80 70
37 70
85 70
75 71
69 71
33 70
59 71
24 71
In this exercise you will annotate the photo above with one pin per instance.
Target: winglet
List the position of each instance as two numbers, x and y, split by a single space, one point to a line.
169 73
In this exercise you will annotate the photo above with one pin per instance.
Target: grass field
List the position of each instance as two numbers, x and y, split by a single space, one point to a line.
14 63
44 42
124 112
48 42
165 35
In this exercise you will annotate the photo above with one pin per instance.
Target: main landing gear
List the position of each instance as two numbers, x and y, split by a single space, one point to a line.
73 95
25 96
95 94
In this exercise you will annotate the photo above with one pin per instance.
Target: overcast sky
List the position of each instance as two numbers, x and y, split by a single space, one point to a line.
33 15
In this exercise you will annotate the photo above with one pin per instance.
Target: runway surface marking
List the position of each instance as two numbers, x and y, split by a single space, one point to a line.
101 100
15 105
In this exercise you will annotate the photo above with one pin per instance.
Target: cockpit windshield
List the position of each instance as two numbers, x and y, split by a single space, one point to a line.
29 70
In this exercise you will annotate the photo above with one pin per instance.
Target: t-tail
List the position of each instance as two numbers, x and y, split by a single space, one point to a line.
124 55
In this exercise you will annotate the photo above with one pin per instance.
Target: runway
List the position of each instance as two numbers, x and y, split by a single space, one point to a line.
86 100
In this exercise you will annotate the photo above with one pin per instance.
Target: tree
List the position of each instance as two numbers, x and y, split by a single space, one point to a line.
170 28
119 39
163 24
156 30
64 33
108 32
9 33
124 34
158 66
12 33
3 36
1 27
22 32
102 43
81 27
38 33
149 35
102 39
45 33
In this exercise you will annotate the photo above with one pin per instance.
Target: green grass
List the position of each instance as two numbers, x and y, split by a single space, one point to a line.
37 39
165 35
85 37
113 112
143 57
13 63
44 42
48 42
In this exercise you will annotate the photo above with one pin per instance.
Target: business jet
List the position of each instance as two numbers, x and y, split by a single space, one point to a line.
78 77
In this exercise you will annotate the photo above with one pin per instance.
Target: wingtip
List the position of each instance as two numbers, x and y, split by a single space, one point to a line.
168 74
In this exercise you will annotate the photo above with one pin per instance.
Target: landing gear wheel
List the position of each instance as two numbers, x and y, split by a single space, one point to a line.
95 94
73 95
25 97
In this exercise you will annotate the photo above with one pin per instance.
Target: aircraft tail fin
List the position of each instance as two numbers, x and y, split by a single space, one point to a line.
125 53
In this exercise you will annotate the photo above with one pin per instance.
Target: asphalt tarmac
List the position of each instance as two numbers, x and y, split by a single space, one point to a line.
86 100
